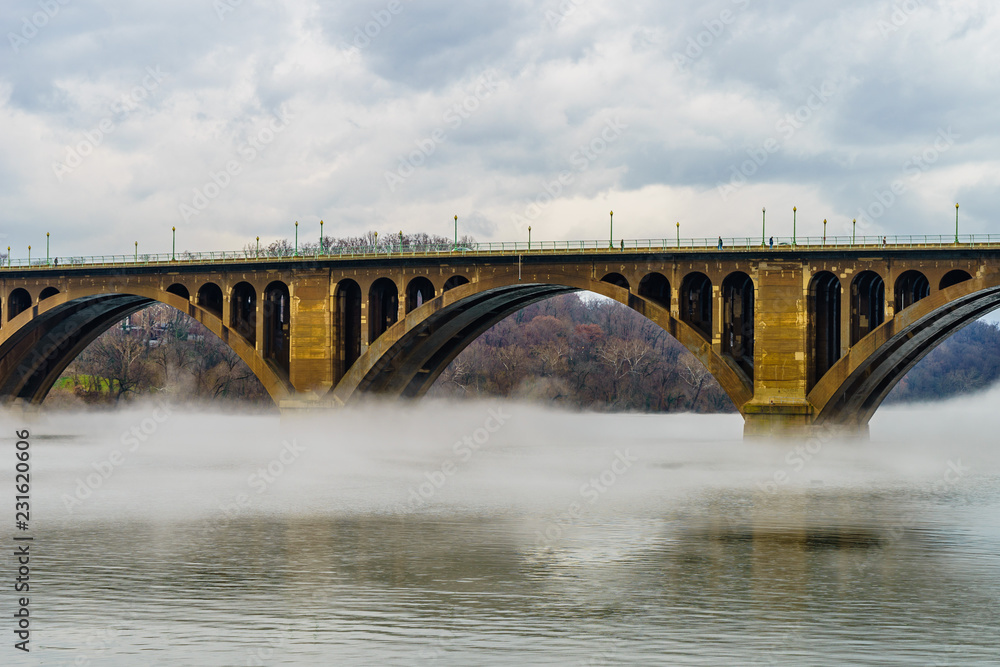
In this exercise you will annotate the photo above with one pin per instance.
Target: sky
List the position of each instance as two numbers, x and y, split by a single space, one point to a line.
231 119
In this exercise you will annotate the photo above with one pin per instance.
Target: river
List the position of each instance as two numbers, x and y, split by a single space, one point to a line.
503 533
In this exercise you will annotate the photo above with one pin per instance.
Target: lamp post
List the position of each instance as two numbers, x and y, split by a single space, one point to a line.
455 247
400 241
854 229
258 246
8 257
956 224
611 235
136 252
321 237
173 251
678 235
763 227
794 221
47 246
824 231
296 238
529 238
29 255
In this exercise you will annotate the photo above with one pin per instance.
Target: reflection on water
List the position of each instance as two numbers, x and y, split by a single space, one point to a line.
461 536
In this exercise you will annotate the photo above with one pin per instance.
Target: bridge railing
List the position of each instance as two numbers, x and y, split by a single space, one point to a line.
729 243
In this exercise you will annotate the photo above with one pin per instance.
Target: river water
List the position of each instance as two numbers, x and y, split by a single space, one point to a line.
500 533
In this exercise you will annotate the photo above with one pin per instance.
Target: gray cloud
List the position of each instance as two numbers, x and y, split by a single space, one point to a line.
700 87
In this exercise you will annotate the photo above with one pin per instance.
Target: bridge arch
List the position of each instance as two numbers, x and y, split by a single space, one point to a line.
867 304
655 287
954 277
347 325
210 299
277 325
37 348
243 311
46 293
383 307
407 359
738 320
181 291
419 291
696 302
455 281
856 385
911 286
18 302
616 279
824 328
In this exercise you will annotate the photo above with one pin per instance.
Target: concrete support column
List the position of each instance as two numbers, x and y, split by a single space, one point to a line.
227 306
259 323
717 318
779 405
846 311
311 338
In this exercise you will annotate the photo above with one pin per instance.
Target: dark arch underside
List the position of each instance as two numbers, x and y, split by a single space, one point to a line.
412 365
34 357
860 396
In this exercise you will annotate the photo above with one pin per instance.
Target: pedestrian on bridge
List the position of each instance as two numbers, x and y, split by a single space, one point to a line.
720 243
771 242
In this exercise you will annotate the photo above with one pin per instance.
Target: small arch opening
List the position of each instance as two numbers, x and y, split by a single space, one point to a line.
954 277
348 323
867 304
696 303
383 307
210 298
18 302
277 324
181 291
824 325
656 288
243 311
911 286
47 292
418 292
455 281
737 320
616 279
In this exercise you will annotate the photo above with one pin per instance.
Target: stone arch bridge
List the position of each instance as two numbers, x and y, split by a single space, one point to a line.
799 338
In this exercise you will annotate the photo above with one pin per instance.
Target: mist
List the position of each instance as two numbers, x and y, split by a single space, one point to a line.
151 461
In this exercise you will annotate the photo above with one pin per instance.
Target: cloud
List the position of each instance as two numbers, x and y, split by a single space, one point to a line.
701 87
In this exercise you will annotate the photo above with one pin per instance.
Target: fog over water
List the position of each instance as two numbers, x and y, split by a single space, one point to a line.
497 532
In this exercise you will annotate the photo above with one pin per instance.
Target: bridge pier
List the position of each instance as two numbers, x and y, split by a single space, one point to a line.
795 422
